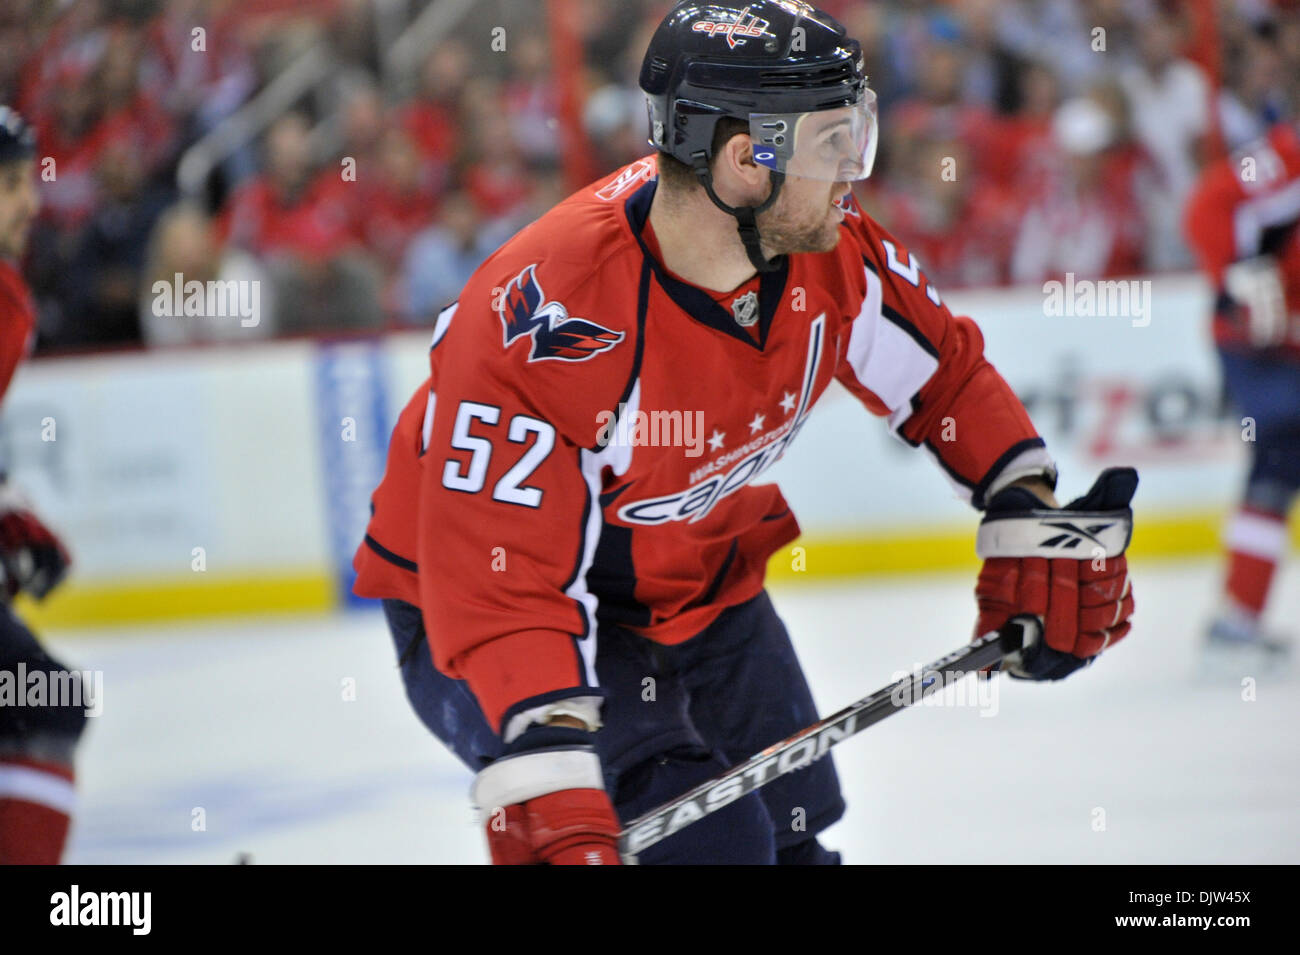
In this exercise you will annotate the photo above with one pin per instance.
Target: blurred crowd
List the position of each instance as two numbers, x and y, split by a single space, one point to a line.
1021 139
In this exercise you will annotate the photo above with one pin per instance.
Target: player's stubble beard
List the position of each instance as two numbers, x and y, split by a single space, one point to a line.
799 224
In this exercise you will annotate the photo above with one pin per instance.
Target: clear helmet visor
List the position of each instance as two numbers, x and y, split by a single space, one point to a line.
834 145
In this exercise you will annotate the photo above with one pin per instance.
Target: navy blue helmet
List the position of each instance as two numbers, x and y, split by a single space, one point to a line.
784 67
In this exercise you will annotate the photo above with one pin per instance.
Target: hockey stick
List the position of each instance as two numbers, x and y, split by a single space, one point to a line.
812 743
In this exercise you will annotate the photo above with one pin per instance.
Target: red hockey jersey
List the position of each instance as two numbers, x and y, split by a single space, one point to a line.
586 449
17 322
1245 206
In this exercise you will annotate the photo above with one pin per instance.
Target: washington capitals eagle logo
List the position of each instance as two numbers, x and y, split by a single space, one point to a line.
524 311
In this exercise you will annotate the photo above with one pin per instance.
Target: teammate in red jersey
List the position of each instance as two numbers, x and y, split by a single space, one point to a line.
568 539
36 741
1243 220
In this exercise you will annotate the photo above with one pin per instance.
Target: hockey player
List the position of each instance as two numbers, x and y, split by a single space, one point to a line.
36 741
577 602
1243 220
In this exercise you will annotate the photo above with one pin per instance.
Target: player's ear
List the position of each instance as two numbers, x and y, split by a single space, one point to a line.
738 170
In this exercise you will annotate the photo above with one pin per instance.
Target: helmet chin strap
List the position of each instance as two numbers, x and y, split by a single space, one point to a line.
745 216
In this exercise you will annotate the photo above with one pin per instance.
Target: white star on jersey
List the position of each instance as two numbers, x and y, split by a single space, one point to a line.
757 423
788 402
715 440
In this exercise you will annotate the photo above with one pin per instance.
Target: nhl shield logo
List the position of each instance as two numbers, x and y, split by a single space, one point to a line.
745 309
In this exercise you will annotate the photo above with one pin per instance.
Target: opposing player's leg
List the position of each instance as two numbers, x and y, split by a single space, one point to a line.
37 744
747 691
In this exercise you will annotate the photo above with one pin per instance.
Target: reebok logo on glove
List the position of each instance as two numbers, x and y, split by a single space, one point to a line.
1065 566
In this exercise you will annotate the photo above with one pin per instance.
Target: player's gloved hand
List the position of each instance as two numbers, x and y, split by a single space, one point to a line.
544 802
1065 566
32 559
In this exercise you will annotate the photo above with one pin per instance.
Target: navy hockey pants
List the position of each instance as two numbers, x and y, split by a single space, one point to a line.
673 717
48 732
1267 389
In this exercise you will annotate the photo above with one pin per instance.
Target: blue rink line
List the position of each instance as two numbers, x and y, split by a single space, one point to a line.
239 810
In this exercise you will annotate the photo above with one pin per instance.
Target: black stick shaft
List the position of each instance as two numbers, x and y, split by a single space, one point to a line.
812 743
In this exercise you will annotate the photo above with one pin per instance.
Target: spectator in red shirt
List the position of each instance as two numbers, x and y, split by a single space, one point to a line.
128 109
532 100
432 117
391 206
960 226
72 137
364 120
281 210
1083 221
495 173
299 225
1021 152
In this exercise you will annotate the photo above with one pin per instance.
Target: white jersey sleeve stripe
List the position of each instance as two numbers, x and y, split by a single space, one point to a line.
443 323
1262 212
426 429
885 358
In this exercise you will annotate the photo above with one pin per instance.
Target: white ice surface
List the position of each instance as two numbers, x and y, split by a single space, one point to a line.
248 722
